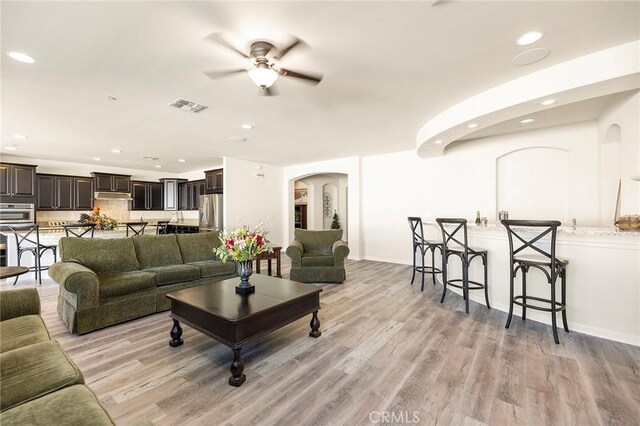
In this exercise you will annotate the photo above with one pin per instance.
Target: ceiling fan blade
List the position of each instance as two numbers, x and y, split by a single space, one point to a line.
314 79
280 53
217 38
214 75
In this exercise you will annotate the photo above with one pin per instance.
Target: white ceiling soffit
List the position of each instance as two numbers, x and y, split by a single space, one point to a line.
602 73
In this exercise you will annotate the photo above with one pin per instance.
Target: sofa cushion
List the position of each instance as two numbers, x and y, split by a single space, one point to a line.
125 283
211 268
157 250
165 275
33 371
317 241
317 259
75 405
103 256
22 331
198 247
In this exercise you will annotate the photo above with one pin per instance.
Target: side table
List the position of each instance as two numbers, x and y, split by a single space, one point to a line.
268 257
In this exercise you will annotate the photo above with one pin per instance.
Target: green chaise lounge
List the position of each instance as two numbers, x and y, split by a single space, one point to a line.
109 281
39 384
318 256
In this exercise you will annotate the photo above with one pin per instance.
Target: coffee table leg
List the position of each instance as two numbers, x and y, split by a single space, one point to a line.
237 367
176 332
315 326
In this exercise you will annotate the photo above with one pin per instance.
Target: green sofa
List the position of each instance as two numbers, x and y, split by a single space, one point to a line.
318 256
39 384
109 281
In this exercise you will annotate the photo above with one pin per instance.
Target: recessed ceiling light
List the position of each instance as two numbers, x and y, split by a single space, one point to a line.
548 102
97 158
527 120
237 139
112 98
182 160
23 137
247 126
530 56
11 148
472 125
21 57
438 142
157 166
529 38
117 151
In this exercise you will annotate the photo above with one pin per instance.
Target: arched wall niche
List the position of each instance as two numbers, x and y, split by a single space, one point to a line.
534 183
613 134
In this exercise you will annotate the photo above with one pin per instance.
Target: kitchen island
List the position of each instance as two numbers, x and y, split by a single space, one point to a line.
603 277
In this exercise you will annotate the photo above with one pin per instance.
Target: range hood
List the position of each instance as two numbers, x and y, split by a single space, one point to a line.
112 196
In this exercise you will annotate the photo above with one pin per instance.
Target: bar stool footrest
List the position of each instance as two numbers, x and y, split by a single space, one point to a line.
516 300
476 286
427 269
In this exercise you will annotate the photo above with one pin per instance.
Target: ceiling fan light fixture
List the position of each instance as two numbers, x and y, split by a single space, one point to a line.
263 77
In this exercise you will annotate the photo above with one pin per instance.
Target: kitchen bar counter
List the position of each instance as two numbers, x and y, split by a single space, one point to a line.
603 277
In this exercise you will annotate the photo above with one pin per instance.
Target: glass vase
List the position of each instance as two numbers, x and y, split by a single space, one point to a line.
244 268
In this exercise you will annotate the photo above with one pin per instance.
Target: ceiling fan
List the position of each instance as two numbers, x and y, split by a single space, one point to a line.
264 57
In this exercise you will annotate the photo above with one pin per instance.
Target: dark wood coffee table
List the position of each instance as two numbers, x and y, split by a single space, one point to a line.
232 319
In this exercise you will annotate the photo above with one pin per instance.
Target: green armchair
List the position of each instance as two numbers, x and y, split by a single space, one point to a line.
318 256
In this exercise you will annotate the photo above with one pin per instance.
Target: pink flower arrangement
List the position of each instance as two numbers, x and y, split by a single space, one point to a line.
243 244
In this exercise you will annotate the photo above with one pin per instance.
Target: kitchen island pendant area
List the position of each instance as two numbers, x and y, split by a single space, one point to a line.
603 278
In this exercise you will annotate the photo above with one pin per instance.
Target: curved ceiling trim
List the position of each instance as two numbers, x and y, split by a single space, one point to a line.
604 72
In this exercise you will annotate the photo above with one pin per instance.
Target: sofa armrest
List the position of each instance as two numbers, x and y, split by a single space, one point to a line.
76 278
294 251
340 252
18 303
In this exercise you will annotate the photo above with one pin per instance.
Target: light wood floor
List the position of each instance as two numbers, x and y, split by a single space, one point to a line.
385 347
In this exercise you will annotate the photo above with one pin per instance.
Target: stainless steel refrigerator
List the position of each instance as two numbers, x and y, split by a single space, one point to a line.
210 212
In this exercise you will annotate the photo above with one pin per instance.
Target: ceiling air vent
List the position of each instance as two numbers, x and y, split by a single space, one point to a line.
186 105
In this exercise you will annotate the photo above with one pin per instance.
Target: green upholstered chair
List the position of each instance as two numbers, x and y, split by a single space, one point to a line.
318 256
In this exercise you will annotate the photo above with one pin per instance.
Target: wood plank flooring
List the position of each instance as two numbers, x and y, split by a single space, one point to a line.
385 347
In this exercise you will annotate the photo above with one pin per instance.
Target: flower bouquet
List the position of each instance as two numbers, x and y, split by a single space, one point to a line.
243 245
102 221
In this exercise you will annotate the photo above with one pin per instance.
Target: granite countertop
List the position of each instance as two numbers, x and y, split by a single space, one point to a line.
603 231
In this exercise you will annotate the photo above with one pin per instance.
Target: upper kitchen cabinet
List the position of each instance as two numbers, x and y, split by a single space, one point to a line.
146 195
171 193
105 182
84 189
54 192
17 182
190 194
213 181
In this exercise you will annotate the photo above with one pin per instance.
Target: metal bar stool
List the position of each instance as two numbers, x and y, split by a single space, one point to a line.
161 227
543 260
453 246
136 227
26 244
419 243
79 229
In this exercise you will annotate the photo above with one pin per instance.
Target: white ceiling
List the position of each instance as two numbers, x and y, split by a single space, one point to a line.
388 67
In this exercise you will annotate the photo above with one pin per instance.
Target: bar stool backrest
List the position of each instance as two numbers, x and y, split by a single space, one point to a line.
161 227
546 227
449 237
79 229
417 232
26 237
137 228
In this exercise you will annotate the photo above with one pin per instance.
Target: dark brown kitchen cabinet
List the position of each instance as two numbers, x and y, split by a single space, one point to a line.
17 182
190 194
55 192
213 181
83 188
105 182
146 195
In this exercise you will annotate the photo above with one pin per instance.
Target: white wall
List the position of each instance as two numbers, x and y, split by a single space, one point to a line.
250 200
349 166
620 159
463 181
